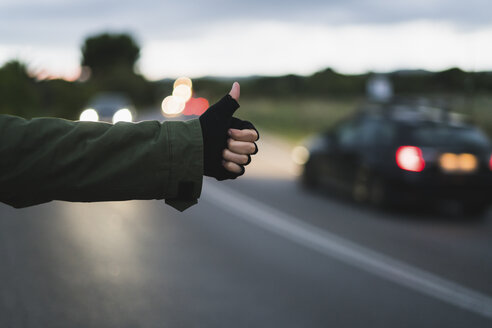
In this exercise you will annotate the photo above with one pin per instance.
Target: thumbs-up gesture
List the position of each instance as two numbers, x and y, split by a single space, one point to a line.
228 142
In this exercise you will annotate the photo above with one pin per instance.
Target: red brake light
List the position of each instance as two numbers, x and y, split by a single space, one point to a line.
490 163
410 158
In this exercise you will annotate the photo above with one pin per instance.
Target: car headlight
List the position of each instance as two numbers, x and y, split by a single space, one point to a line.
122 115
89 115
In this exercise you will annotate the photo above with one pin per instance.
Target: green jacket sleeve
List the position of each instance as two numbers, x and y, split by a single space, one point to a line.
48 159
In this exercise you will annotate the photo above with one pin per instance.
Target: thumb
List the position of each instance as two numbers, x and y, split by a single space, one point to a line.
224 108
235 91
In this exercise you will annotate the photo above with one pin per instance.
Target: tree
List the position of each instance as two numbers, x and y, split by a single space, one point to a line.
106 53
18 93
111 59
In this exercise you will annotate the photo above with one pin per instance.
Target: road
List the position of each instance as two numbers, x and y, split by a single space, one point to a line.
256 252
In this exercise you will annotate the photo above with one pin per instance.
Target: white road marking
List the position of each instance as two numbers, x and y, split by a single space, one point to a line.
347 251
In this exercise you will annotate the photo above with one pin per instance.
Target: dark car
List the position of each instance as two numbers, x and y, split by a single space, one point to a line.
394 154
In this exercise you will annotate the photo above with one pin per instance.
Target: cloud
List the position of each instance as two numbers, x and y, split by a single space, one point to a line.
57 21
276 36
281 48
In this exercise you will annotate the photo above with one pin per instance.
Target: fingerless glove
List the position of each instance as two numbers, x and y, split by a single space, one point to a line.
215 123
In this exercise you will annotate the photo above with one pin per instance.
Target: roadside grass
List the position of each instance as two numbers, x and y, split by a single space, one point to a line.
480 112
295 118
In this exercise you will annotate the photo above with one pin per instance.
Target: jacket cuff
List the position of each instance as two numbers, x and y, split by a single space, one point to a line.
186 156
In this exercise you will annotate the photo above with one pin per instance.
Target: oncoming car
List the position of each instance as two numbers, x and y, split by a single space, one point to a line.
109 107
403 154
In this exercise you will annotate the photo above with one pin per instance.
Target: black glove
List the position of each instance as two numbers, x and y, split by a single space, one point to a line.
215 123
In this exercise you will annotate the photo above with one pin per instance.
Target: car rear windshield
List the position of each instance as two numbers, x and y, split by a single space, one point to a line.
449 136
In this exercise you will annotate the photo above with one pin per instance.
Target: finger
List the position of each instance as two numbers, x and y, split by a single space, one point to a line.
235 91
243 125
220 113
241 147
243 135
236 158
233 167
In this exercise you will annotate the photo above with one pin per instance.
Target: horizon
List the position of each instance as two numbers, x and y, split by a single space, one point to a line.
259 76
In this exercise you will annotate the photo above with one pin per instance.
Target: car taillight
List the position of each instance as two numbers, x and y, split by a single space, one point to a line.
410 158
490 163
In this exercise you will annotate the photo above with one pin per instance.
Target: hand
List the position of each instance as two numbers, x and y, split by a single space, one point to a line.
228 142
240 146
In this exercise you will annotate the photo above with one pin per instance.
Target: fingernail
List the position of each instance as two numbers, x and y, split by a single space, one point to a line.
229 132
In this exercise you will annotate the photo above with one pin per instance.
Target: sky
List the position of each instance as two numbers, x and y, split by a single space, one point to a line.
254 37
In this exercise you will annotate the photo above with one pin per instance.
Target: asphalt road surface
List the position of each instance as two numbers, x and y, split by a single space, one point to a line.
257 252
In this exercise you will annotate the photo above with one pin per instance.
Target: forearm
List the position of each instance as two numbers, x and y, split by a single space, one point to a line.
47 159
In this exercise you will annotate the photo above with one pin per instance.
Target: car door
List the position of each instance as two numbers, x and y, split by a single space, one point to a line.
377 149
345 155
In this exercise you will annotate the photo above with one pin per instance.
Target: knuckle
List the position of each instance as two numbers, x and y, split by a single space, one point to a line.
231 167
228 165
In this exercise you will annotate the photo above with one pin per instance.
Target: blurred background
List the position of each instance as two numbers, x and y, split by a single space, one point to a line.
367 205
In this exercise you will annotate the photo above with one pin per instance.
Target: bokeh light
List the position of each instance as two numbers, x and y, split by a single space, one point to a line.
449 161
300 155
172 106
123 115
468 162
183 81
196 106
410 158
182 91
182 101
464 162
89 115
